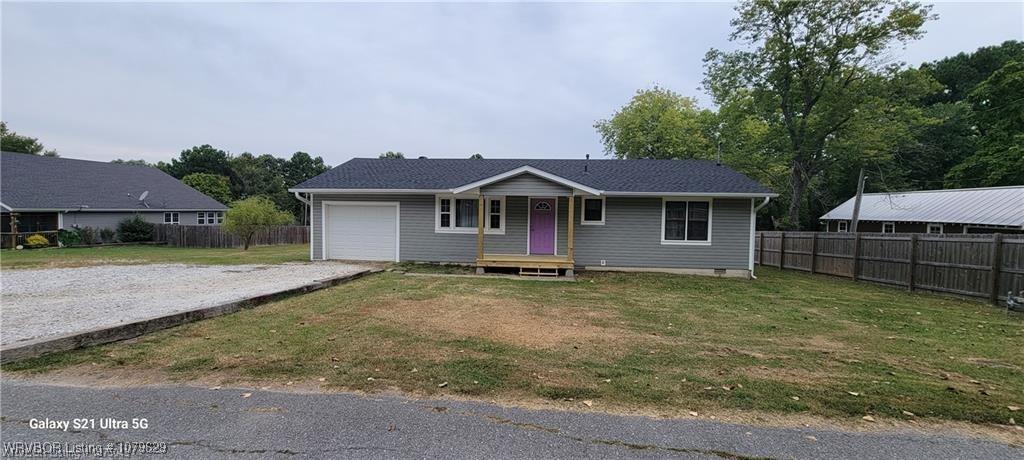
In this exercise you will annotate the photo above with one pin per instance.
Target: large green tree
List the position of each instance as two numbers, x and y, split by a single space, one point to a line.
211 185
200 159
390 154
11 141
810 68
658 123
998 114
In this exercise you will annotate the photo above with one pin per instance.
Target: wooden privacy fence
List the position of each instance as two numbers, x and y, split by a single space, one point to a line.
211 236
984 266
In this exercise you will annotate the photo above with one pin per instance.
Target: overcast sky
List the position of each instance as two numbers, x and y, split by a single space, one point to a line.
105 81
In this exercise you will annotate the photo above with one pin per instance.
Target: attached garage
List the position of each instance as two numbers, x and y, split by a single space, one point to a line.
360 230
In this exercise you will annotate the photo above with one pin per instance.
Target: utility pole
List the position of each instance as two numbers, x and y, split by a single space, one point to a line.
856 202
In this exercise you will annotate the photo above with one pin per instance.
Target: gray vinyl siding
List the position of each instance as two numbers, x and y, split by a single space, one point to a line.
526 185
419 242
631 236
111 219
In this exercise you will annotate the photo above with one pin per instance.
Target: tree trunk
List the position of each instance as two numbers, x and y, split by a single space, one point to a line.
799 187
246 240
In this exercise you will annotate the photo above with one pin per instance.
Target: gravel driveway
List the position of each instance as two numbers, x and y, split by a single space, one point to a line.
40 303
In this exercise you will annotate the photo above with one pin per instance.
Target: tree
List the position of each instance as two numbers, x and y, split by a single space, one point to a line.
301 167
120 161
960 74
298 169
998 114
200 159
810 67
248 216
390 154
657 123
11 141
211 185
476 156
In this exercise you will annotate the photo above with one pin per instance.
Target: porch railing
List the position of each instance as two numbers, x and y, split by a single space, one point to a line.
11 240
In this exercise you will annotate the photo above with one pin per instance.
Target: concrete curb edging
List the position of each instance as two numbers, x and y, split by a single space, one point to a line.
39 347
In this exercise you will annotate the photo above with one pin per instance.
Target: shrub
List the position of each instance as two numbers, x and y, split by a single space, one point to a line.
87 235
37 241
134 229
248 216
107 235
68 237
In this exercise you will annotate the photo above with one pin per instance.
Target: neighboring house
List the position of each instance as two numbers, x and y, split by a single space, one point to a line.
688 216
969 210
44 194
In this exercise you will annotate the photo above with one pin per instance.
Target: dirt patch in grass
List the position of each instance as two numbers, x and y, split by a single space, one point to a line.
510 321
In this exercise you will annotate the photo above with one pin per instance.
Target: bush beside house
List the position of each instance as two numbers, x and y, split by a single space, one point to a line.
134 229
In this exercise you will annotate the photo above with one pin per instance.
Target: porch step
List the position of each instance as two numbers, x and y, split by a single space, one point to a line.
529 271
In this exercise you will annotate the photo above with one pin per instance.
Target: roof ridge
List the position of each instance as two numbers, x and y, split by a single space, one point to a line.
539 159
49 158
1000 187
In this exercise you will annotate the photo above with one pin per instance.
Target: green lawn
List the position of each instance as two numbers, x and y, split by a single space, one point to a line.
787 343
148 254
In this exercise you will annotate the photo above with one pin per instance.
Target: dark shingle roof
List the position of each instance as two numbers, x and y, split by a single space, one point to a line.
36 182
662 176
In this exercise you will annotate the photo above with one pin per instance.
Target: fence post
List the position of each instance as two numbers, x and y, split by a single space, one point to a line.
782 249
814 249
997 253
856 255
760 255
913 261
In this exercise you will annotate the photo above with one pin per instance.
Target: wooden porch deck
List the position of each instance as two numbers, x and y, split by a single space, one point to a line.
524 261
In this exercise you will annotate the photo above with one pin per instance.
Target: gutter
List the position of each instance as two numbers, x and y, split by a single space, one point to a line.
753 217
299 197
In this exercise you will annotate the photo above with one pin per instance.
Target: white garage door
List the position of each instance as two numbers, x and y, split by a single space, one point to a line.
364 231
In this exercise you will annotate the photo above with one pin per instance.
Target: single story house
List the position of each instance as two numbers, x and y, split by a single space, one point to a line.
43 194
969 210
686 216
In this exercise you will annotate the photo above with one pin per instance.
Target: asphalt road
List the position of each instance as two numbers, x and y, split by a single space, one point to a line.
205 423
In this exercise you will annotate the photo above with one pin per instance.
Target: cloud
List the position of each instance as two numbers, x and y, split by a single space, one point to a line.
103 81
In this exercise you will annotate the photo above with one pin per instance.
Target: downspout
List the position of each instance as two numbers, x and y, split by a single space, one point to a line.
753 231
307 202
309 205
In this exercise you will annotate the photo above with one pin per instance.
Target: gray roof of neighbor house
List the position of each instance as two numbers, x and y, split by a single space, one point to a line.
1002 206
607 176
31 182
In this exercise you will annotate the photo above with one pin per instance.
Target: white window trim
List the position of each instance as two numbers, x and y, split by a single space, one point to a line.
843 227
583 211
203 218
487 210
175 218
942 228
889 223
711 207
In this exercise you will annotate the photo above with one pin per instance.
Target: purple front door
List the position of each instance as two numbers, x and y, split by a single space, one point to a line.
542 226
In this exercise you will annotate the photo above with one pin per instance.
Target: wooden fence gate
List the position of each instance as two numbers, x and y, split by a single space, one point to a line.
983 266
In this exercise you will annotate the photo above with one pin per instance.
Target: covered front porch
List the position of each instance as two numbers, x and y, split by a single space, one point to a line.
545 226
541 257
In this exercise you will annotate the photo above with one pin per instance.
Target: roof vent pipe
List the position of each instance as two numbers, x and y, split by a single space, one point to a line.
585 165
